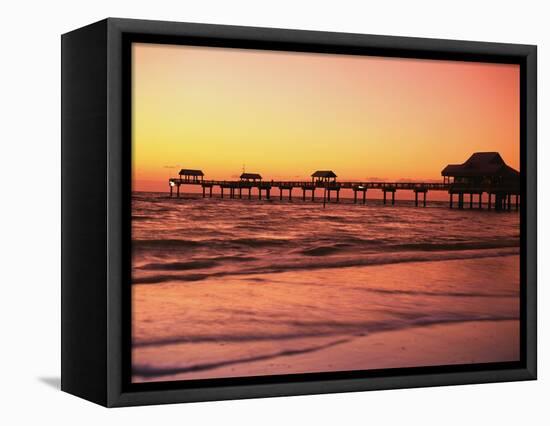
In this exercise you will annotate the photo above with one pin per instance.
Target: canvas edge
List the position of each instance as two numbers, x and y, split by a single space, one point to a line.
83 213
531 209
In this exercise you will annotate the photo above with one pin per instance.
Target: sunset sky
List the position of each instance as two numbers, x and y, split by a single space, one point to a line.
285 115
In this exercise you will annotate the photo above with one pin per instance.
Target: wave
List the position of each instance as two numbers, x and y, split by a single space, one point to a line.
330 263
164 243
323 329
337 244
436 293
179 266
194 264
148 371
321 251
157 279
151 371
171 243
257 242
143 217
466 245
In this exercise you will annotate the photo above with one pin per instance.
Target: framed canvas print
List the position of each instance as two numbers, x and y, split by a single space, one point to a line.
251 212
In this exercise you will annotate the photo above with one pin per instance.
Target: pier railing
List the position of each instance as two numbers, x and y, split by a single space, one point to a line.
433 186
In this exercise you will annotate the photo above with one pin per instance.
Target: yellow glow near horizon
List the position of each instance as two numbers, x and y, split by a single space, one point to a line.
285 114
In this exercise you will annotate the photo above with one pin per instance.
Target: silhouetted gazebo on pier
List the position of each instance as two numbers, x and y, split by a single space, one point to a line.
483 172
322 177
251 177
325 179
189 175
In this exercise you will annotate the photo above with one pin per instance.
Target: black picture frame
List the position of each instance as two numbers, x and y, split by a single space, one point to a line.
96 222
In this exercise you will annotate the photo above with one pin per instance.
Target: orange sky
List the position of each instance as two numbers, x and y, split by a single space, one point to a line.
285 114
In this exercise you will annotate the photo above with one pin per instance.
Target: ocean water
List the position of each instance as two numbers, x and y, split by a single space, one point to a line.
221 285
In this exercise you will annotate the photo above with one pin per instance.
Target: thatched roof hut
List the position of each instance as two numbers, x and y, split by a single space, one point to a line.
251 176
190 172
191 175
487 166
323 177
324 174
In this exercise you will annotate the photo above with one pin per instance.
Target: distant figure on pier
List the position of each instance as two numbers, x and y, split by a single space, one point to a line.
251 177
189 175
322 177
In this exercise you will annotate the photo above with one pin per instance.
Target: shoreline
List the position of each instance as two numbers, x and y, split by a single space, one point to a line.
471 342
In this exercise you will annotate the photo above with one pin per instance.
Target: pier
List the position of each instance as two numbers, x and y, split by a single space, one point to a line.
482 173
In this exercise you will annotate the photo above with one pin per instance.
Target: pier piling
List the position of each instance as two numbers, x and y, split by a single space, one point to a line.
423 191
308 187
392 190
289 189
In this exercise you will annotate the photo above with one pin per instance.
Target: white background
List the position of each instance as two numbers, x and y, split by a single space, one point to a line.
30 211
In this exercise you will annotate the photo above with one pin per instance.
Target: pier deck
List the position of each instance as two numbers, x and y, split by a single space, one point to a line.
234 189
